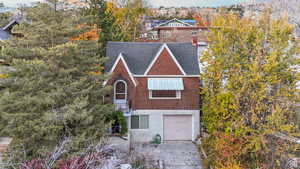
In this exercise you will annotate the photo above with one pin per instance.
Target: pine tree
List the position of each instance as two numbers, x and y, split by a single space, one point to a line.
109 30
4 18
55 92
250 91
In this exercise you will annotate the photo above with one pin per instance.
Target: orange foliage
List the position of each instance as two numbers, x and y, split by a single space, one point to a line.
92 34
228 146
200 20
99 72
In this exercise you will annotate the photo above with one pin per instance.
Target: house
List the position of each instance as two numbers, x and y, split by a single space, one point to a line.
6 31
177 31
150 24
6 34
157 85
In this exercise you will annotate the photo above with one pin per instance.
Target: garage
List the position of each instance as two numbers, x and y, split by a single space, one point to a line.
177 127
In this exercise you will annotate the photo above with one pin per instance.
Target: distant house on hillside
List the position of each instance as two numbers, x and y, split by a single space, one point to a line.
176 30
150 24
6 31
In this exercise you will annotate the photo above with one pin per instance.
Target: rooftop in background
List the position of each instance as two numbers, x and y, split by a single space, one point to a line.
5 32
4 35
154 23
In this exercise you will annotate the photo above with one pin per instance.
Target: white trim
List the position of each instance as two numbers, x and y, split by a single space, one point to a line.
178 96
164 46
9 24
167 76
175 19
126 91
120 57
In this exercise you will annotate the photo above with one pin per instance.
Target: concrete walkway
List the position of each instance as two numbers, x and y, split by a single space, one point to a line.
175 155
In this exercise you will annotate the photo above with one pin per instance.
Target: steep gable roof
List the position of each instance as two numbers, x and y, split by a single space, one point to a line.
174 20
5 32
164 47
121 59
11 24
139 55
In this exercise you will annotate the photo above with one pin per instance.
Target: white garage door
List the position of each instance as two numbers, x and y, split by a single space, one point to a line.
177 127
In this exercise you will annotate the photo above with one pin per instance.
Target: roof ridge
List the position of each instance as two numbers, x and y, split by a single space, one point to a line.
150 42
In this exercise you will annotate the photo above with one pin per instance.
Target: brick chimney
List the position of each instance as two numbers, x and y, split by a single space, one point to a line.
194 40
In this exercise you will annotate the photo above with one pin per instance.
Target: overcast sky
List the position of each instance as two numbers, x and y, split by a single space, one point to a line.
156 3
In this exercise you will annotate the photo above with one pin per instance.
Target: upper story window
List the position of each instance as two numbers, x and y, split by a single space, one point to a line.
165 88
165 94
120 88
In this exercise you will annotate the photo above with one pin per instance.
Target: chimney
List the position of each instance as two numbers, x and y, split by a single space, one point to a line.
194 40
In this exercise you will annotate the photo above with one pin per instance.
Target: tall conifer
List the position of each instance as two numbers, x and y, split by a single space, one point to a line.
55 91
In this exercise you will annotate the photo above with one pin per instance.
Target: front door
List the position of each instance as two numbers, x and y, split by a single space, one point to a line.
120 95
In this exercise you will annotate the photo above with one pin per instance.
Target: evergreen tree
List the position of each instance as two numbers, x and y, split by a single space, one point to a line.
55 92
4 18
109 30
250 92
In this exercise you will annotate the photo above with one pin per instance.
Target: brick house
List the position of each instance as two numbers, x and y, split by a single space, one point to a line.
157 85
177 31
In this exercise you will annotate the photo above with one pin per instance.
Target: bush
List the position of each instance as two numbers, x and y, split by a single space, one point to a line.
117 117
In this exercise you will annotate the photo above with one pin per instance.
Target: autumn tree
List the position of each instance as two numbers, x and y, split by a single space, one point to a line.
53 94
105 21
249 77
130 16
116 20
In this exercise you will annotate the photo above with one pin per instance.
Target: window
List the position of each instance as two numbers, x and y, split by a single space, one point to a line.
120 90
165 94
139 122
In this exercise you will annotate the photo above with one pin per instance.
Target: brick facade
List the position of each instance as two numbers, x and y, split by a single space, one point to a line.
173 34
189 97
164 65
138 97
120 73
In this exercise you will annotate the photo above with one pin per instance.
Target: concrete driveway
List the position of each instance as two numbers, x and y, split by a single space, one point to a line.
174 155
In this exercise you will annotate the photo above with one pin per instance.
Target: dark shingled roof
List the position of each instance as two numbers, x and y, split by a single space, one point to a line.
139 55
4 35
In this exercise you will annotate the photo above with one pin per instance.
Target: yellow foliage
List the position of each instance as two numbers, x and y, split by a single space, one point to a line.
229 165
3 76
